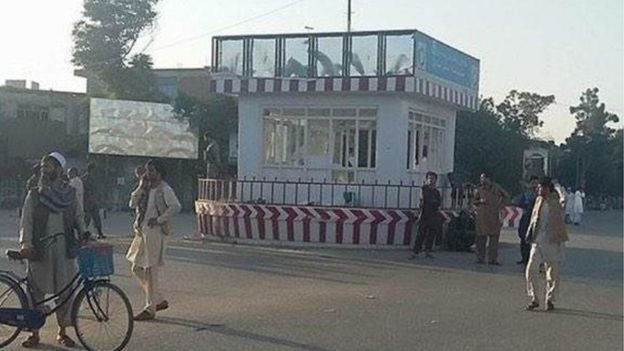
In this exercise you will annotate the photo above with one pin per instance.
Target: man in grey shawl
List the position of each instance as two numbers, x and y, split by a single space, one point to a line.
51 208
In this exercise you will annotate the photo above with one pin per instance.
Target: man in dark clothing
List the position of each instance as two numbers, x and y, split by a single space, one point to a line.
429 224
92 200
526 202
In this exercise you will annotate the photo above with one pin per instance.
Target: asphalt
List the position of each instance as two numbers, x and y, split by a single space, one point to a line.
244 297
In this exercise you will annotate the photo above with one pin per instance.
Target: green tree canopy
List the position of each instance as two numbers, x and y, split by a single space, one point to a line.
104 40
519 112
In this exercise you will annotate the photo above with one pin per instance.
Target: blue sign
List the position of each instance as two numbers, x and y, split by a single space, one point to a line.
445 62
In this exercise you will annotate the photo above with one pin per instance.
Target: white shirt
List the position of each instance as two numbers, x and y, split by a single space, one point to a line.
76 183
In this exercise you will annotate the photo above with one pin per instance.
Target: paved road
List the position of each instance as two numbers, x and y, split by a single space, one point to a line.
236 297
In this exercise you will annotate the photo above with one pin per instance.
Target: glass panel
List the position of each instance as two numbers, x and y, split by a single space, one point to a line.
294 130
400 54
329 57
363 56
344 143
410 145
271 142
368 112
417 147
344 112
322 112
365 144
271 112
296 62
426 142
318 137
263 58
294 112
231 56
418 117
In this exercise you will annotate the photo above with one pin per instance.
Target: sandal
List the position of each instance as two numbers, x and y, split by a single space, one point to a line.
66 341
31 342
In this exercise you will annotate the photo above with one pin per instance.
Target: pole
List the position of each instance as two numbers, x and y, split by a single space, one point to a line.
349 16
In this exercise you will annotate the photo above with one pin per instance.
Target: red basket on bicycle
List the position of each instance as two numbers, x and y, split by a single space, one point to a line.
96 260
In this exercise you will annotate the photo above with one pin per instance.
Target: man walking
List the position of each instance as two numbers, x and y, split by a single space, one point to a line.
156 204
51 208
547 233
489 198
577 213
76 183
92 199
429 225
526 202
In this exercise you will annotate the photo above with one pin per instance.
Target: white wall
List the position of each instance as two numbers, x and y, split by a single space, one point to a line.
391 133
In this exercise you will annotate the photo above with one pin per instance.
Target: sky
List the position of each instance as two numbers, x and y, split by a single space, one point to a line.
559 47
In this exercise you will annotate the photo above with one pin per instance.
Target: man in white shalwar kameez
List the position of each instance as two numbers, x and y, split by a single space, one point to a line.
547 234
155 203
579 197
51 208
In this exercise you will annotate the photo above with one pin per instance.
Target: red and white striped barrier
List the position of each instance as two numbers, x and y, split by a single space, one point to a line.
309 224
409 84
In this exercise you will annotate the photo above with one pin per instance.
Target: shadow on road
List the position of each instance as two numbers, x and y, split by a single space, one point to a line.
224 330
589 314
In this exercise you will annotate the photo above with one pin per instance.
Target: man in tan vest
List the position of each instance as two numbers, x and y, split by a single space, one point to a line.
547 233
489 199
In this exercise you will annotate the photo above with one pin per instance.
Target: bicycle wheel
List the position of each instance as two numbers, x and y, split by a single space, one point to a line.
102 317
11 296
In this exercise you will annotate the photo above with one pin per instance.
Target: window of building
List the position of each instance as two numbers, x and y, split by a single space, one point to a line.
33 113
323 138
425 142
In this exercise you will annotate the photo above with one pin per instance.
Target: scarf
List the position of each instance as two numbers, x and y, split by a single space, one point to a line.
143 200
56 195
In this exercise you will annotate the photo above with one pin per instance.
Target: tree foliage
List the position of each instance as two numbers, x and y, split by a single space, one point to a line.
104 40
593 152
519 112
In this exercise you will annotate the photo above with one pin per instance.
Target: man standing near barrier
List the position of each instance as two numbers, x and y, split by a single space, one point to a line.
156 204
429 225
489 199
547 233
92 201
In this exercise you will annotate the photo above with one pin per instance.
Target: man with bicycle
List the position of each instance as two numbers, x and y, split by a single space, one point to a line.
51 208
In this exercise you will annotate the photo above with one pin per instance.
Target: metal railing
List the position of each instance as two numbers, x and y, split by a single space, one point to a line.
386 195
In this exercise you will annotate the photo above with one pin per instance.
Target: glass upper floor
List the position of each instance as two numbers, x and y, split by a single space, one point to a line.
342 54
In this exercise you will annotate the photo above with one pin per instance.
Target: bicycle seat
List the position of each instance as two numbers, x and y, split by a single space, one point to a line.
15 255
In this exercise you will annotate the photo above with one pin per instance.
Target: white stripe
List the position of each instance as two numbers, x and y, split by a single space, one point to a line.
303 85
391 84
410 84
221 86
236 85
320 85
372 84
355 83
269 86
253 85
337 84
285 85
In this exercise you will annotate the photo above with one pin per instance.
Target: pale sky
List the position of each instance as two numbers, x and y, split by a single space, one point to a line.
558 47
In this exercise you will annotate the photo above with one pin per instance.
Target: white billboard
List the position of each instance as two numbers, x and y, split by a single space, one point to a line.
134 128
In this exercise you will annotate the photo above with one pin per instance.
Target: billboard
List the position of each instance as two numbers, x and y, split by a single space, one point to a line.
445 62
135 128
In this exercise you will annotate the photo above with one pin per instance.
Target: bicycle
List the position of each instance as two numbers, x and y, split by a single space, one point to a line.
99 309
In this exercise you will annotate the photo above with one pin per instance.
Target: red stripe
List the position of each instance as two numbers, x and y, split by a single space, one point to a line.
400 83
363 84
392 226
311 85
228 86
340 225
290 223
382 84
277 85
306 223
329 84
235 217
361 217
247 221
209 230
244 86
213 86
346 84
322 224
293 86
409 226
226 225
274 221
260 85
260 221
379 217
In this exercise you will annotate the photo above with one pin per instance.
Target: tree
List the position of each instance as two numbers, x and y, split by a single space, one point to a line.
593 150
215 116
519 112
104 40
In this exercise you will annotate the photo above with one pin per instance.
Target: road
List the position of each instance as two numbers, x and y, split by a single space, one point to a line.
240 297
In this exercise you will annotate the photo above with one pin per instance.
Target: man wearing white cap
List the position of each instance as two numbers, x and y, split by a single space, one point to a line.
51 208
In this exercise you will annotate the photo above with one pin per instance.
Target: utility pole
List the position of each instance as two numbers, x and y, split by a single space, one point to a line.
349 16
